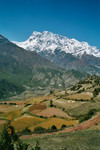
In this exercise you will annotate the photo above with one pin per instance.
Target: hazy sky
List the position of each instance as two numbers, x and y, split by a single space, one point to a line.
78 19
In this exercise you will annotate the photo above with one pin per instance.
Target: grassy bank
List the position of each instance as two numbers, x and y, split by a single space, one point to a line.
80 140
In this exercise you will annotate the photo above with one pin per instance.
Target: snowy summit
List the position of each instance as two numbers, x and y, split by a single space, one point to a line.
49 42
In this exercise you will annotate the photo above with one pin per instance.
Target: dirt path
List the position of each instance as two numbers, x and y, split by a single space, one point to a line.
82 126
85 124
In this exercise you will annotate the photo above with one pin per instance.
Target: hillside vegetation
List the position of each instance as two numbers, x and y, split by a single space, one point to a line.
26 70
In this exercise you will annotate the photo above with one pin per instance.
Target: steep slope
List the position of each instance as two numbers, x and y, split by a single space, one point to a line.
8 89
28 69
67 53
87 63
85 90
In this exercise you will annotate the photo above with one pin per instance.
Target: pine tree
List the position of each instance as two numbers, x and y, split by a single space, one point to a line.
6 140
9 139
51 103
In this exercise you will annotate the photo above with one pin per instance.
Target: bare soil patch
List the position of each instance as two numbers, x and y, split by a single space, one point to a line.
37 108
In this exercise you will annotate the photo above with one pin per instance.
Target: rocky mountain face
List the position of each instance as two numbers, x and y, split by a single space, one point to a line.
22 70
67 53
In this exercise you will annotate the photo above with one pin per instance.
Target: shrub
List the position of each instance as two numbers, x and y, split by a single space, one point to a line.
27 105
12 103
5 103
63 109
96 91
81 99
51 105
26 130
91 112
51 92
41 116
92 99
39 129
63 126
85 82
53 127
88 116
76 87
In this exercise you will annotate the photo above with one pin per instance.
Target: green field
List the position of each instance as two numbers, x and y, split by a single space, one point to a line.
80 140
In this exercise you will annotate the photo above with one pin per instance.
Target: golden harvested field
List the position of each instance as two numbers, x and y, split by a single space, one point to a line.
26 121
50 112
5 110
83 96
15 114
58 122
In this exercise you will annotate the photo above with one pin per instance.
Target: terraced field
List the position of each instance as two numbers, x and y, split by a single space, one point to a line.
51 111
36 108
20 121
58 122
80 96
67 104
93 123
15 114
6 108
76 108
37 99
26 121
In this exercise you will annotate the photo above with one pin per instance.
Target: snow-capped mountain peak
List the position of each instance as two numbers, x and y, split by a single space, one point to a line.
35 33
49 42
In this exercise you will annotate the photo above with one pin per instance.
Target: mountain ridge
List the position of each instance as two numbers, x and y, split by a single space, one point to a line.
21 68
49 42
63 52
